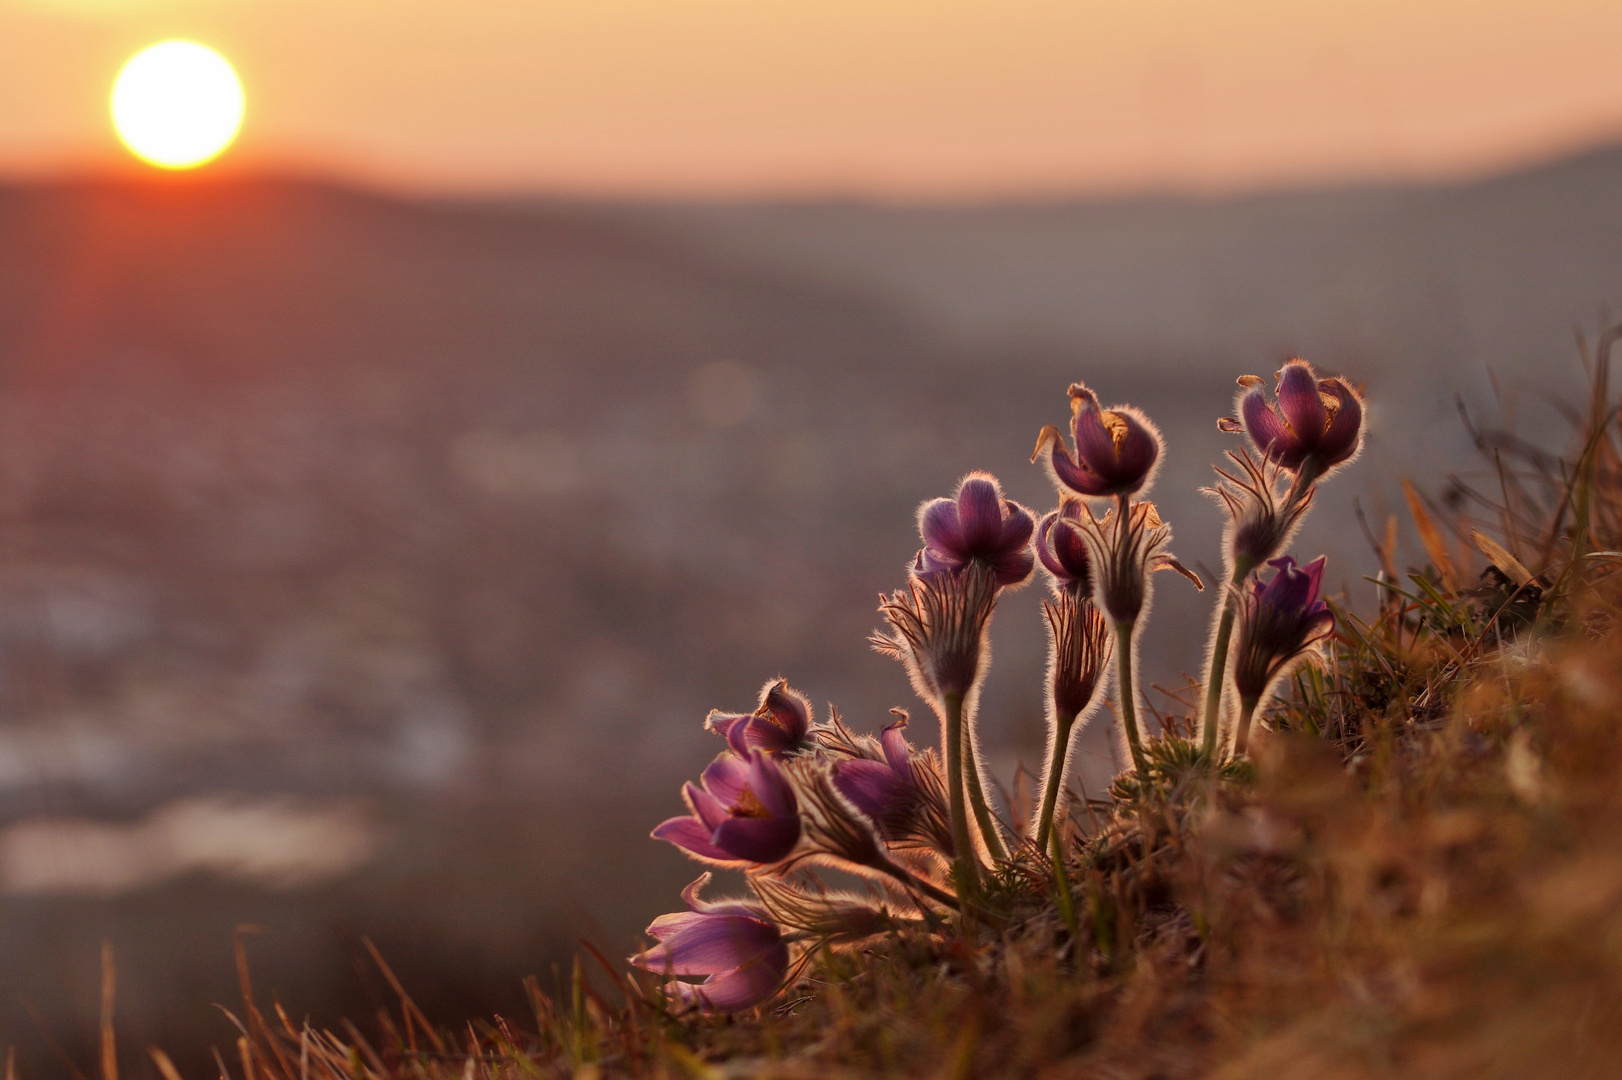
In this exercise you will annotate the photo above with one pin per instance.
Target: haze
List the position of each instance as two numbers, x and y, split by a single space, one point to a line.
901 98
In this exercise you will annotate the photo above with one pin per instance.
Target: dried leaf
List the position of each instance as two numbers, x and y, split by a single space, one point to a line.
1501 558
1431 537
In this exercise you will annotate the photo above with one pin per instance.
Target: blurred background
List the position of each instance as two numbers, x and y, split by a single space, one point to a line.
384 504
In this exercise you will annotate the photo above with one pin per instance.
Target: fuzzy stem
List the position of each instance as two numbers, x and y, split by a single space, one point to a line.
1055 778
977 798
963 864
913 881
1129 709
1217 678
1247 709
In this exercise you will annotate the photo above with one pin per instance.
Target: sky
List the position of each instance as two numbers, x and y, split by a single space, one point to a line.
908 99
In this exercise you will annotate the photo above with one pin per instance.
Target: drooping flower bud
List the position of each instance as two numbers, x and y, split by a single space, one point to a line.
780 725
743 814
1279 620
1116 452
1317 423
902 792
1063 552
733 944
1079 646
977 525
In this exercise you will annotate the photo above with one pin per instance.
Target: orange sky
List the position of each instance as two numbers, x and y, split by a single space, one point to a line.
933 98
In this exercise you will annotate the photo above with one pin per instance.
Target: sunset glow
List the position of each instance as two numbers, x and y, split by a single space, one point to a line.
177 104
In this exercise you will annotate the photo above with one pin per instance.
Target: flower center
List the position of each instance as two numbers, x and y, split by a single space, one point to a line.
748 805
1331 407
1115 424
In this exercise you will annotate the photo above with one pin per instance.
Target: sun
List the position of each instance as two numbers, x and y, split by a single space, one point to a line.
177 104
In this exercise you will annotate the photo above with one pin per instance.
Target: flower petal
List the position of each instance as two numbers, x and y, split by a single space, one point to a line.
938 525
729 727
771 787
1071 474
896 750
1298 400
705 807
756 839
869 785
789 710
708 944
1138 451
725 777
691 835
1344 433
1267 429
741 988
979 514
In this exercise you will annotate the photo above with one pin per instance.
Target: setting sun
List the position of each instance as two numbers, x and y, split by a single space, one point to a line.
177 104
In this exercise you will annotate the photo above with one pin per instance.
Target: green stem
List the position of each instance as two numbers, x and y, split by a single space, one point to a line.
1129 708
977 799
1055 779
963 864
1216 679
1061 881
1247 709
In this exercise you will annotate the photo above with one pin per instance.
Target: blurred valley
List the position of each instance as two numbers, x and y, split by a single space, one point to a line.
368 566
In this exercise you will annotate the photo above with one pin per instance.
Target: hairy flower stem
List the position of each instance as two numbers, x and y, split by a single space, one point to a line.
1217 678
1129 708
1055 778
977 799
1247 709
964 862
913 881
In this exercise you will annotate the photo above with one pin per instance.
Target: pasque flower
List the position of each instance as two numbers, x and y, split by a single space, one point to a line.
744 813
1063 552
1261 516
938 628
1127 546
1316 421
1125 549
1279 620
977 525
1116 448
733 943
1078 657
904 796
780 725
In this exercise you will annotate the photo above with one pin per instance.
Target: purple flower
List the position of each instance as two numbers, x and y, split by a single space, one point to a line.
1279 620
743 814
734 943
1116 448
900 791
780 725
1320 420
880 788
1063 552
977 525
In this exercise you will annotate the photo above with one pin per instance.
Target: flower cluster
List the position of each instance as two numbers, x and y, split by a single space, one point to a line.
788 794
